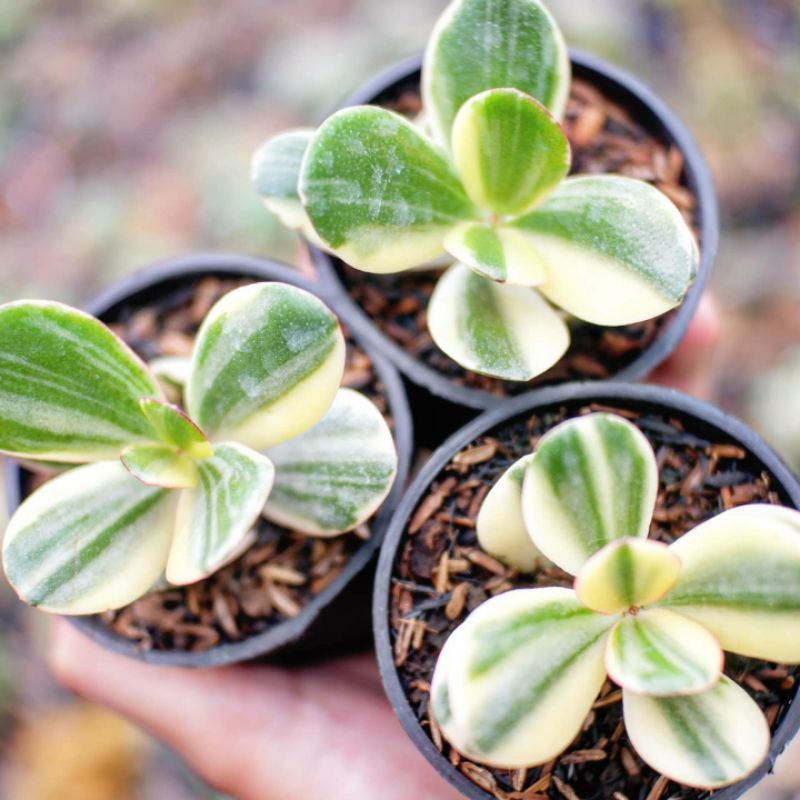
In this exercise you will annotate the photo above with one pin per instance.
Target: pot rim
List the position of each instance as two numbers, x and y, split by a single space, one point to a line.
659 117
274 639
635 395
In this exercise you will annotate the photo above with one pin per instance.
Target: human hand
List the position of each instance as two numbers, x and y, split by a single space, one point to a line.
258 732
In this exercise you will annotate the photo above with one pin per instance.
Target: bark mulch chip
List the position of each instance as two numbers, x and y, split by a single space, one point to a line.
441 575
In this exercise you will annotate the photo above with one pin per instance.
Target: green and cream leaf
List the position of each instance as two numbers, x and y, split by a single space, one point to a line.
266 367
69 388
336 475
175 429
172 373
160 465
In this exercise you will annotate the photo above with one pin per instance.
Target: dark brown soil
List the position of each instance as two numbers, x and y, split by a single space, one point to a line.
441 575
284 569
604 139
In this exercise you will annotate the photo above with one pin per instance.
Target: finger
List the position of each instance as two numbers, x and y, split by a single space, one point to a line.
260 733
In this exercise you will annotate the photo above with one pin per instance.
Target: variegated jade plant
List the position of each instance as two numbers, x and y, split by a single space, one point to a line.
160 491
516 680
482 178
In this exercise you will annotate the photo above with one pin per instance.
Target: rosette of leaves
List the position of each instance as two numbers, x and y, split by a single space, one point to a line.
516 680
483 180
151 490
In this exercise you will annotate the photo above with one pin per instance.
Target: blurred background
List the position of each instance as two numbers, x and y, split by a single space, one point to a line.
126 130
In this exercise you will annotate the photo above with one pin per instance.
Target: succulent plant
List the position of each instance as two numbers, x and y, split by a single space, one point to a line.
516 680
150 488
482 179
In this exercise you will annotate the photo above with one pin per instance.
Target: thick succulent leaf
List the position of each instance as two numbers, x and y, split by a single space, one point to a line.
627 573
275 171
500 527
214 520
174 428
159 465
509 151
706 740
520 675
486 44
741 579
89 540
508 332
618 251
337 474
266 366
661 653
592 480
69 388
172 373
379 193
500 254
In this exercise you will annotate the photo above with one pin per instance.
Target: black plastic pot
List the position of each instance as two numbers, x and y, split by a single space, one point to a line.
339 617
645 107
700 418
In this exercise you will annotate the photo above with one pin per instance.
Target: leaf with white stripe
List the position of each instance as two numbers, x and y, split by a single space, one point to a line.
175 429
618 250
661 653
266 367
485 44
627 573
69 388
159 465
520 676
509 332
498 253
89 540
336 475
379 193
215 520
500 527
707 740
592 479
741 579
509 151
172 373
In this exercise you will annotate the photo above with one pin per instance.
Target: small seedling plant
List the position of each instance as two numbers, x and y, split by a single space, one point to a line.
481 179
149 490
516 680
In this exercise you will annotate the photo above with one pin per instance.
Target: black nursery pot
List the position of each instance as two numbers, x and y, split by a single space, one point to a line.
335 619
659 121
412 545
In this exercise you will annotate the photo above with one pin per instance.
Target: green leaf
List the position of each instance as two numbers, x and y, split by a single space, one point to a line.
509 151
660 653
707 740
378 192
618 250
489 44
508 332
172 373
175 429
89 540
267 364
741 579
627 573
500 527
215 520
336 475
275 170
500 254
519 676
159 465
69 388
592 480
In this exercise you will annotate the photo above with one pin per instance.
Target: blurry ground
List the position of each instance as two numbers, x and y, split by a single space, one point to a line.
126 128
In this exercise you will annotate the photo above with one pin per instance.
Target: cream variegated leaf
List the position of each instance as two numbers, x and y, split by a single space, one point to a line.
740 578
92 539
336 475
500 527
707 740
592 480
172 373
267 364
175 429
160 465
507 332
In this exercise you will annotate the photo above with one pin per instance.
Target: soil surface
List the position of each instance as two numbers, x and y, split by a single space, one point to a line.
441 574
